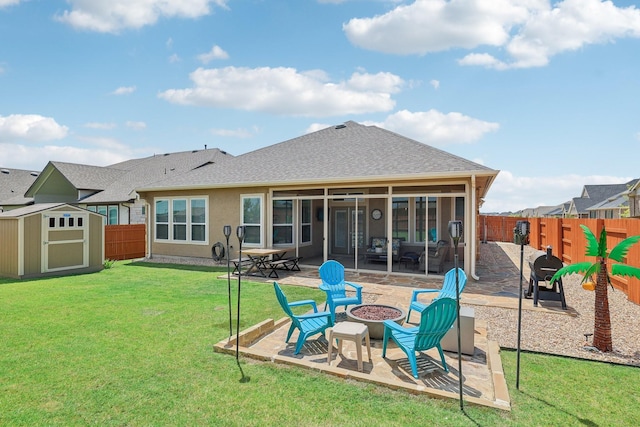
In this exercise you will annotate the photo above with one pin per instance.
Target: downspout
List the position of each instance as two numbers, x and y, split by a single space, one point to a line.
150 232
474 220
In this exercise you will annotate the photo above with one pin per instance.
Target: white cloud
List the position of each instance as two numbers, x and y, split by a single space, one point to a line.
174 58
436 25
511 193
435 84
35 158
316 127
436 128
216 52
136 125
484 60
529 31
5 3
30 127
113 16
97 125
169 43
286 91
233 133
124 90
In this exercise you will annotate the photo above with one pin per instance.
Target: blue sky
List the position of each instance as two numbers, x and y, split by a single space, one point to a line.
546 92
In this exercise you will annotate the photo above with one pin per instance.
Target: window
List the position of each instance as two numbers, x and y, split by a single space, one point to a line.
400 218
305 221
198 220
181 219
426 207
162 219
112 217
110 212
252 219
179 210
282 222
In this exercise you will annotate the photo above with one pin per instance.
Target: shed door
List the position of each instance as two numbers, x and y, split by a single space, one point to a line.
65 241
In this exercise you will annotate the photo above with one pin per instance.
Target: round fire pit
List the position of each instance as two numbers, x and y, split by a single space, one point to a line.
374 315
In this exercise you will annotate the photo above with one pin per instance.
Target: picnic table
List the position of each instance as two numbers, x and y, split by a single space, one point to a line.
264 262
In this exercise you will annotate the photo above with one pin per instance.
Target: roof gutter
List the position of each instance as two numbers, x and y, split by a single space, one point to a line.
323 181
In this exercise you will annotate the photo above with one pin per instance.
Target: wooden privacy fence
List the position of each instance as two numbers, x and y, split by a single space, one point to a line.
567 239
124 241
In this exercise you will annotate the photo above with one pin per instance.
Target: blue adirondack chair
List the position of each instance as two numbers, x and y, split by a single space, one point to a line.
448 290
332 276
307 324
435 322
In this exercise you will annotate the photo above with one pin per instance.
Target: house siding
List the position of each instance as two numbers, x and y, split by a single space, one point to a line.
224 208
9 248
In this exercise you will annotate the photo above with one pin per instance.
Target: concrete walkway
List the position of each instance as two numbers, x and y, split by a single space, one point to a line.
483 377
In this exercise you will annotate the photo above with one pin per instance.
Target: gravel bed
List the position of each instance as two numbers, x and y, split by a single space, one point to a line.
562 334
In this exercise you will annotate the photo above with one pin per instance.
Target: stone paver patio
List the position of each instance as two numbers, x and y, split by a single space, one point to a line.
483 376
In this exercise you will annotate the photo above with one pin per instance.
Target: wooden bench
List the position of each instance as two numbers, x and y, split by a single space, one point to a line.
289 264
238 263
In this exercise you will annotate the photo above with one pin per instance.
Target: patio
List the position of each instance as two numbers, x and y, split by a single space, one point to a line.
483 377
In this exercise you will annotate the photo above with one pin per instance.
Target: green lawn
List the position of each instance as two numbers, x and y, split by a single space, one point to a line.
133 345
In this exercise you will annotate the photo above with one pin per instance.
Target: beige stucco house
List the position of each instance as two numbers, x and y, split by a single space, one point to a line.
324 195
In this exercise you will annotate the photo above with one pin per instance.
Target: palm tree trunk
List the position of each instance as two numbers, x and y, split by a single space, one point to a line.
602 326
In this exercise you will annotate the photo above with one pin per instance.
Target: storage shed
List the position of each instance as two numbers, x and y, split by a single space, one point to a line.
50 239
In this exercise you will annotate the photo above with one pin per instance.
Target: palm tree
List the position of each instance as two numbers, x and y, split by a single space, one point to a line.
598 248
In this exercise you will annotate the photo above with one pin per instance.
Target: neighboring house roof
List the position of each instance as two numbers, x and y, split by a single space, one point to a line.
618 201
559 210
598 193
580 204
13 184
350 152
116 183
158 167
594 194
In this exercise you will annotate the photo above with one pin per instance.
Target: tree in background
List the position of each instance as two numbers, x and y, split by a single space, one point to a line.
598 248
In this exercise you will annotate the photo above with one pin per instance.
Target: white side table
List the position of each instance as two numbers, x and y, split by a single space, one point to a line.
467 333
351 331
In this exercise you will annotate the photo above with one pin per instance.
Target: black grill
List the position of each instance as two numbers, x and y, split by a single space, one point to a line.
543 268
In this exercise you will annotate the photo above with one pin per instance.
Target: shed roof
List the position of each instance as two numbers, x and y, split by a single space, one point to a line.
32 209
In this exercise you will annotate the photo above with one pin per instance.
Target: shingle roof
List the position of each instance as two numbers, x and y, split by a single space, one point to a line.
28 210
86 177
593 195
618 201
13 185
117 183
598 193
140 172
349 152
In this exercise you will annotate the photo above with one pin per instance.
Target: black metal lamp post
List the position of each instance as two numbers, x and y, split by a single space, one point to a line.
240 233
521 236
455 231
227 232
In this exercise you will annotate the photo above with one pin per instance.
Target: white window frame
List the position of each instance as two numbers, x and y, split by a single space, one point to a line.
283 224
188 224
306 224
260 224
